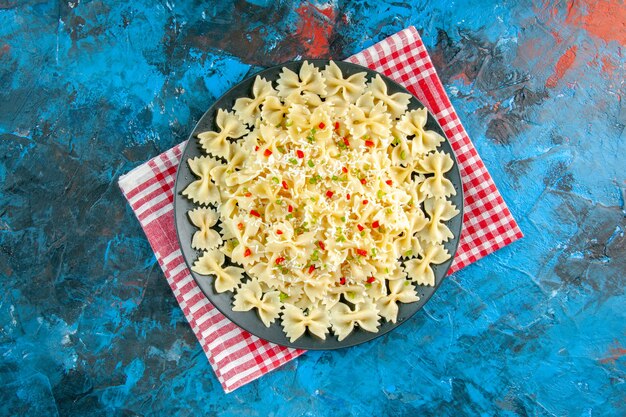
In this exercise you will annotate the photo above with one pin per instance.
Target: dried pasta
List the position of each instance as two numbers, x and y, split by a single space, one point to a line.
331 197
205 238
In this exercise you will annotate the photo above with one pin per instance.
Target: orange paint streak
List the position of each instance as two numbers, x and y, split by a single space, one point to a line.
315 29
608 66
605 19
564 63
462 78
615 354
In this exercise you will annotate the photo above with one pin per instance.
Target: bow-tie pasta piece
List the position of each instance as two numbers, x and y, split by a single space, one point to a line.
397 274
267 304
248 250
436 163
237 158
412 122
242 228
338 110
230 208
417 219
241 177
345 89
296 322
298 118
315 289
203 190
294 98
229 126
206 238
366 102
210 263
419 270
314 126
376 289
366 119
274 110
218 175
265 272
309 84
407 246
249 253
435 231
413 189
267 142
396 103
249 143
395 221
402 155
303 302
249 109
423 141
400 291
343 319
321 122
290 292
266 190
400 174
333 295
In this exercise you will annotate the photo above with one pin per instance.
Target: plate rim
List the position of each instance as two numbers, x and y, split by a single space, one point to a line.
319 63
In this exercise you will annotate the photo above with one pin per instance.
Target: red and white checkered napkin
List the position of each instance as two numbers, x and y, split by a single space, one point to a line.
239 357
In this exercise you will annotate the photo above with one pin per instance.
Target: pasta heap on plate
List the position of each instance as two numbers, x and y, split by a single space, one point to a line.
330 195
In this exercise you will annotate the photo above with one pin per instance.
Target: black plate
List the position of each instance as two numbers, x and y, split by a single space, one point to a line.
249 320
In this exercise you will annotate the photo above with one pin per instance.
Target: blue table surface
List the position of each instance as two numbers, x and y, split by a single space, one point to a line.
91 89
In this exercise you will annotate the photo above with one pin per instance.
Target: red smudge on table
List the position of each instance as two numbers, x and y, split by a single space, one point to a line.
608 66
557 36
614 354
564 63
315 28
462 77
602 18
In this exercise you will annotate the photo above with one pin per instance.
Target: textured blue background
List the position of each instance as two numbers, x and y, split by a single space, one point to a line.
91 89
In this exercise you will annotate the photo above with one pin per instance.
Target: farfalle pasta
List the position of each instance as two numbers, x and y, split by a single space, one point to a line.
251 295
296 321
330 197
229 127
211 261
203 190
204 219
